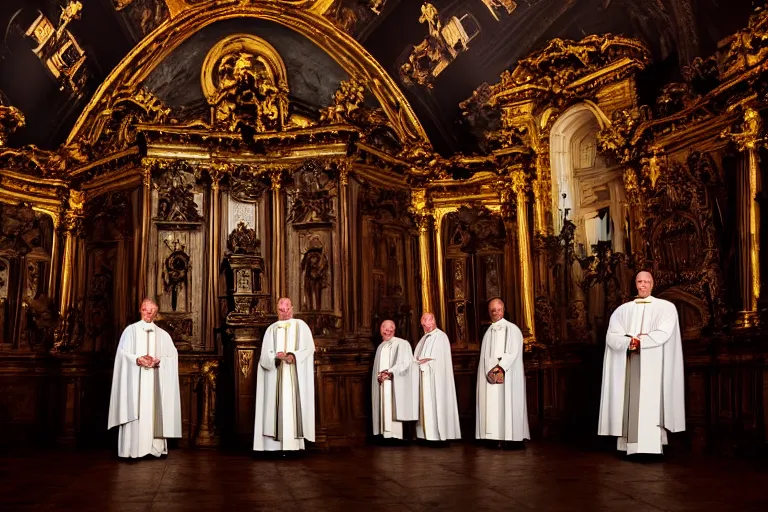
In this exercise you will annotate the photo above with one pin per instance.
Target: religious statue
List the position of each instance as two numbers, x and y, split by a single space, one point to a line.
492 285
314 267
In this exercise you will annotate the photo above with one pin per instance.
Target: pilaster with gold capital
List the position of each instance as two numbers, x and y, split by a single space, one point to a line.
68 334
748 136
73 230
148 165
520 187
278 233
424 219
216 172
342 167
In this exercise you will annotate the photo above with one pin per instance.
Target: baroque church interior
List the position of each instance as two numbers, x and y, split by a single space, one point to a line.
374 160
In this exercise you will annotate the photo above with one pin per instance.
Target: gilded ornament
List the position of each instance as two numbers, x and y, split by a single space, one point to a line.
347 100
519 182
443 44
245 82
244 240
245 357
750 135
11 119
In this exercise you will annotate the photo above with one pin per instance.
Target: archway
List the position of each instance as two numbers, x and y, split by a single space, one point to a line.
586 188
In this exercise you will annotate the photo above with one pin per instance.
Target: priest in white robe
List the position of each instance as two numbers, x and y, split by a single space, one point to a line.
501 408
285 384
145 401
438 409
395 394
643 391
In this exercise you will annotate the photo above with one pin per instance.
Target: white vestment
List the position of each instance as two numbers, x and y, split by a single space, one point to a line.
285 393
145 402
501 410
643 394
439 412
397 399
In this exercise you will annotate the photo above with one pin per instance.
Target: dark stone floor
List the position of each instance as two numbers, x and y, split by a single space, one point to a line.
543 476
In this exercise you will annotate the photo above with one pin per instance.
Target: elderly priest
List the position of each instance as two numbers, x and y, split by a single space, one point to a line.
285 384
145 401
395 393
439 418
501 410
642 395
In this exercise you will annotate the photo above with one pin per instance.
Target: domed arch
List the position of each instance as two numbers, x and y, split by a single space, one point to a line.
131 72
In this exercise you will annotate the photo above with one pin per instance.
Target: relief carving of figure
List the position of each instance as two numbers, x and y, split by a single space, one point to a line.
315 269
247 94
492 288
311 196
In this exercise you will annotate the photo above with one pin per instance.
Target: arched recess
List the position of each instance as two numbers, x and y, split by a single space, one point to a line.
352 57
585 187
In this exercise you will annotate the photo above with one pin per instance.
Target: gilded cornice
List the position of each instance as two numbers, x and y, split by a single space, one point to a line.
18 187
146 56
570 68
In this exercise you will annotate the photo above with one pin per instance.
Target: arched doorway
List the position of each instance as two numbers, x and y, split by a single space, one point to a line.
586 188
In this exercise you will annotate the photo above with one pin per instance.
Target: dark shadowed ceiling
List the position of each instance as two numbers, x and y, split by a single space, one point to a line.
471 42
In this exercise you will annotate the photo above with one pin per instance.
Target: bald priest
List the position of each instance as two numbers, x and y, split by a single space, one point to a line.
394 388
642 394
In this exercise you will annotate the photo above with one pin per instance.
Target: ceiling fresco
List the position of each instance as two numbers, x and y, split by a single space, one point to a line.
55 53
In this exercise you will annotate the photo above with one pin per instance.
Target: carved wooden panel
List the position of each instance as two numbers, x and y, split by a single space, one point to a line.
177 257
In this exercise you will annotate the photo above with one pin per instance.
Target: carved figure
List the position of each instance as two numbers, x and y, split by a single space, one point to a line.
315 267
244 240
177 265
247 94
177 198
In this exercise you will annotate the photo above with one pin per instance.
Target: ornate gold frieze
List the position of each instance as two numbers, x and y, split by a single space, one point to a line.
570 68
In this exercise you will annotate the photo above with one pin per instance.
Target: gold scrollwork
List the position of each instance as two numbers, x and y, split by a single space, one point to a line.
245 356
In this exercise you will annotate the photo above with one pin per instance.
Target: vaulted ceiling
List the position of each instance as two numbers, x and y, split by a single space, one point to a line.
438 52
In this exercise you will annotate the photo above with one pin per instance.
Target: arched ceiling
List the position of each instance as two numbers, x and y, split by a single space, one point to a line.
437 53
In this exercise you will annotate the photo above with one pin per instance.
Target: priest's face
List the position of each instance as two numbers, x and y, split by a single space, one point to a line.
148 311
644 284
284 309
387 330
428 322
496 310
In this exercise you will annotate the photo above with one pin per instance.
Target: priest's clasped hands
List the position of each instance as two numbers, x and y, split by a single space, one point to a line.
496 375
385 375
634 344
288 358
147 361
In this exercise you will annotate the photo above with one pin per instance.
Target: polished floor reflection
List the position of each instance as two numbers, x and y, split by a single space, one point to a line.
544 476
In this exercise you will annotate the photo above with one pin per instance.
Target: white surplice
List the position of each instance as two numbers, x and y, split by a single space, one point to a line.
438 409
501 409
145 402
395 400
285 393
643 394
